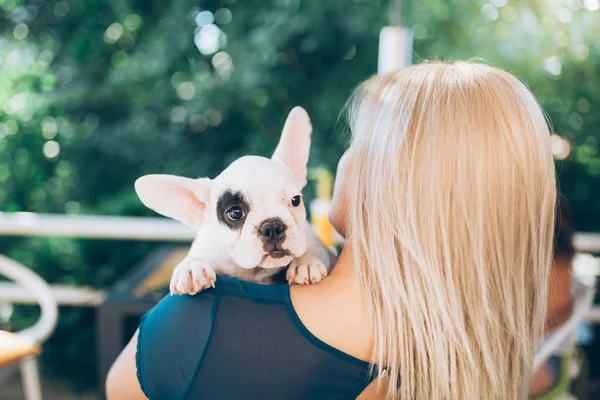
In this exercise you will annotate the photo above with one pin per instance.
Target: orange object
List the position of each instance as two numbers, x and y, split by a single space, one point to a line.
14 348
320 206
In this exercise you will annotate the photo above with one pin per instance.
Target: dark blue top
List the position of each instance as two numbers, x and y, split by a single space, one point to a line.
240 340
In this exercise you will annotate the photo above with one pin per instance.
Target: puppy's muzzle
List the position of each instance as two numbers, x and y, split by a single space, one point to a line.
272 231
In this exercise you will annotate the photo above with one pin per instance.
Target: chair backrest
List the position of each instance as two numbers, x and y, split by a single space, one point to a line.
23 276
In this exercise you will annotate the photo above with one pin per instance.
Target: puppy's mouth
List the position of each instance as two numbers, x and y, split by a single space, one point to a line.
275 254
279 253
274 249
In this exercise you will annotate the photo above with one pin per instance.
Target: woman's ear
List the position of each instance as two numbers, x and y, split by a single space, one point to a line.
182 199
294 146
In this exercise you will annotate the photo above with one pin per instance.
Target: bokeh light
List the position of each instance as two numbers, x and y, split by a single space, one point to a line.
186 90
489 11
113 33
592 5
553 65
51 149
209 39
204 18
20 32
223 16
223 63
561 148
178 114
49 128
61 8
133 22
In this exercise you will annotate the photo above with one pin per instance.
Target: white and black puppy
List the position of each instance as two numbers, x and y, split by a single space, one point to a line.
251 219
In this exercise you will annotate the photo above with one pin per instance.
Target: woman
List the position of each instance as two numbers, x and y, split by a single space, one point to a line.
446 199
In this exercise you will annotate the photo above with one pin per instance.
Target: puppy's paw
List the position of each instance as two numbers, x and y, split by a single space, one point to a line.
306 270
191 277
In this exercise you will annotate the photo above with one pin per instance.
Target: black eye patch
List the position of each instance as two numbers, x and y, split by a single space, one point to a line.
232 209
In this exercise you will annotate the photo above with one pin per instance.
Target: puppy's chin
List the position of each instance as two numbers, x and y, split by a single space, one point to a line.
266 261
276 260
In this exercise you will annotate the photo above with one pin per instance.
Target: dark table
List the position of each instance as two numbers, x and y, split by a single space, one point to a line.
118 317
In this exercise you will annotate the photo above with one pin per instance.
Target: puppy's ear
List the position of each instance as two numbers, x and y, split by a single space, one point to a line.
294 145
182 199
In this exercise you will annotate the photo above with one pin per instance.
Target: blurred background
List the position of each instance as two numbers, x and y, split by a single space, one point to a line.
96 93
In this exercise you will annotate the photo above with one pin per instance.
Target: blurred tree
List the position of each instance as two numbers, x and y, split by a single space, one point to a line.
96 93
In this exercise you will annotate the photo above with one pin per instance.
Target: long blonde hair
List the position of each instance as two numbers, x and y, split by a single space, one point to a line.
451 227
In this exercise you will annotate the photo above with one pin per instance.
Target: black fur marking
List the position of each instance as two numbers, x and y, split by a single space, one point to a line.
227 200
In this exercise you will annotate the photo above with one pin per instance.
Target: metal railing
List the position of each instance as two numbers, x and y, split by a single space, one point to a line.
93 227
138 228
83 226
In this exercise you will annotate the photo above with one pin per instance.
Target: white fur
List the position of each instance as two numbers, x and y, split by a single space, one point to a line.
268 185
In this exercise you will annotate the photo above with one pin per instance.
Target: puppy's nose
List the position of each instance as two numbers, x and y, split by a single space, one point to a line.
272 230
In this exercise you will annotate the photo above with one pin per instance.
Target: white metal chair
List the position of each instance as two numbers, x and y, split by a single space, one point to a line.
28 340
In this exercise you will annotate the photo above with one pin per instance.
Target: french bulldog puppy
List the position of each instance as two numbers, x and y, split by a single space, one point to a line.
250 219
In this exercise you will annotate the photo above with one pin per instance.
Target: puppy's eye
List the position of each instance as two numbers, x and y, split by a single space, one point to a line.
296 200
235 213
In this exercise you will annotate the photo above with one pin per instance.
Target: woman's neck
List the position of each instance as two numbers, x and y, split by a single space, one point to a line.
341 283
343 269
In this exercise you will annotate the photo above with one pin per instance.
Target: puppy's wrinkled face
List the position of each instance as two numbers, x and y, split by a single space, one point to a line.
258 204
252 211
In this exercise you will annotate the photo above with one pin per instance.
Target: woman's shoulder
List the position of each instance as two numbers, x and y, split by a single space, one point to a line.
174 335
224 287
233 287
175 310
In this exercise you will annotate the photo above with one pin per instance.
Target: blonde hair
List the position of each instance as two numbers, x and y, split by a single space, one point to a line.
451 228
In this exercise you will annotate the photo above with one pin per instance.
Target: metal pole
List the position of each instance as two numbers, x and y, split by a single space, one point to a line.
395 42
396 12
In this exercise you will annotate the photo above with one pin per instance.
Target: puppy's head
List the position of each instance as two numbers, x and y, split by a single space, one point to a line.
254 208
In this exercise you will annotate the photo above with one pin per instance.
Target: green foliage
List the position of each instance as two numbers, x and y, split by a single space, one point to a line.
96 93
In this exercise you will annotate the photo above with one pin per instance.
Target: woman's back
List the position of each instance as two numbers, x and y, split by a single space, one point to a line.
241 340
